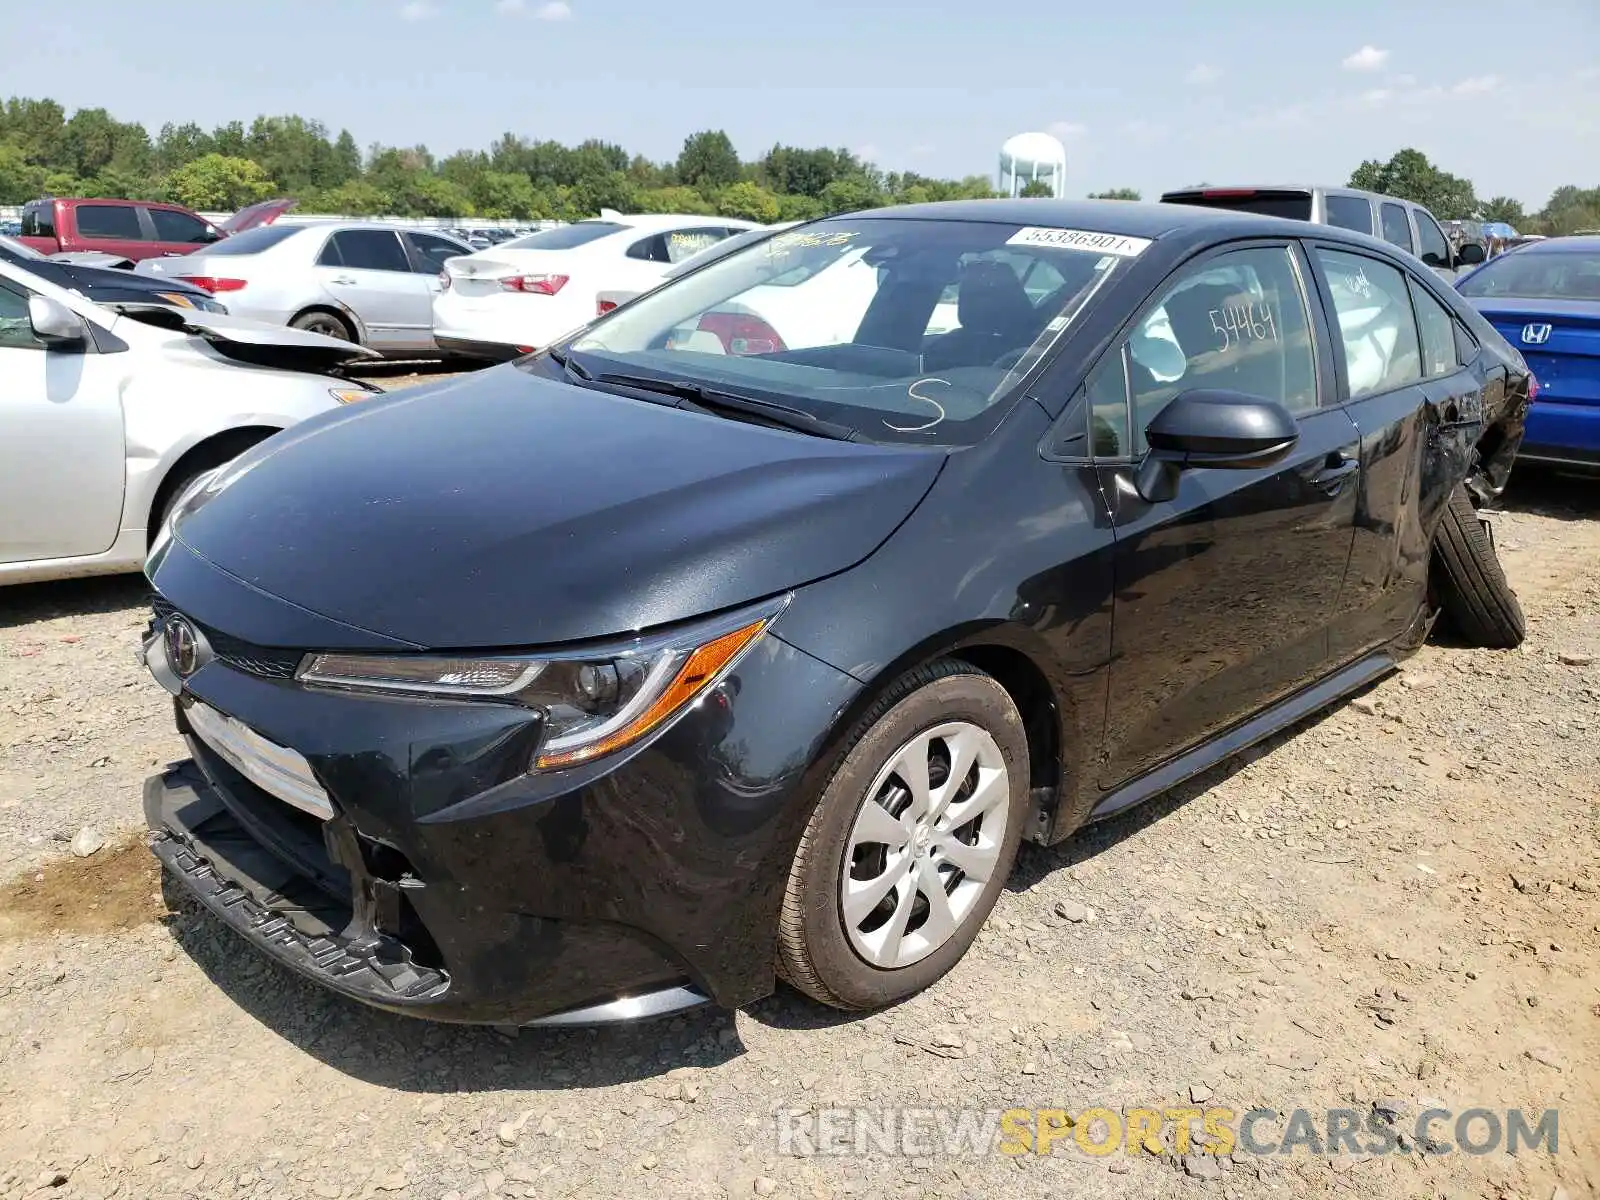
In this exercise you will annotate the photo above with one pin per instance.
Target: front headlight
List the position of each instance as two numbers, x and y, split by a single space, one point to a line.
354 394
593 702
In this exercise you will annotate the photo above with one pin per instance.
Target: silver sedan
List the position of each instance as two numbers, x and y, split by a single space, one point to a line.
362 282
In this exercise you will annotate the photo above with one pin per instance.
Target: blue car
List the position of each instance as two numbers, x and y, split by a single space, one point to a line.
1545 299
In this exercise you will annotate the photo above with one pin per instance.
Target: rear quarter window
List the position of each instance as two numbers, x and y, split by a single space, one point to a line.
39 219
254 241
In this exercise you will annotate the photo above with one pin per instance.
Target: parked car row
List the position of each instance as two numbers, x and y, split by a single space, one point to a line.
113 400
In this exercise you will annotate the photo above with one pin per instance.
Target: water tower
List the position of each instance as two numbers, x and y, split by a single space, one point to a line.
1033 156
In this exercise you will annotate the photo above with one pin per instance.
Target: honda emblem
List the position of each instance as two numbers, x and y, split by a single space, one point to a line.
1536 334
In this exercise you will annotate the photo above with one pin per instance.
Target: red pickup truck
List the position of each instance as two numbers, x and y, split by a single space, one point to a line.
132 229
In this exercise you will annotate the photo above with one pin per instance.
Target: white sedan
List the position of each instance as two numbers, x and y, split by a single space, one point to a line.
109 413
522 295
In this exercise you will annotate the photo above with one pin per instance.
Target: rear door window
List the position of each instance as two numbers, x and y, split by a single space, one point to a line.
1376 327
119 221
1396 228
16 329
366 250
432 251
179 227
1349 212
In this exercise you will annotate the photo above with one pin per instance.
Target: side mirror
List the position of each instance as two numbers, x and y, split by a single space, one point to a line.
1470 254
1207 428
54 324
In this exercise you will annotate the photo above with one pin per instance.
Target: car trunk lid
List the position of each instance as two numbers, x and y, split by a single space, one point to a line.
1560 339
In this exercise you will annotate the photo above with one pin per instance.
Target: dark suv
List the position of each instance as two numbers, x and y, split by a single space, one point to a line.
1403 223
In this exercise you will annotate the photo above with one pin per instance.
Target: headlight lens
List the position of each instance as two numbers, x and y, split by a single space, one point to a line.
593 703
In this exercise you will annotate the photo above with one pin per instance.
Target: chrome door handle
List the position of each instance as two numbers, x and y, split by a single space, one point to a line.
344 279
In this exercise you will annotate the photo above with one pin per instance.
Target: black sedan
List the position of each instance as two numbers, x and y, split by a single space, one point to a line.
660 664
106 285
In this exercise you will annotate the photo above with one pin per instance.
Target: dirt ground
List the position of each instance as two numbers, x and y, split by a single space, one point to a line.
1396 905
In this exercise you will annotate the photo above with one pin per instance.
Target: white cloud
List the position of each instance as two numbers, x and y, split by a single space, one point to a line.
1202 74
1068 131
418 10
1368 58
866 153
556 10
1477 85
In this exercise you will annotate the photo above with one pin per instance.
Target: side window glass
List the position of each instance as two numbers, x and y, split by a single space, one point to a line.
650 249
39 219
178 227
1437 330
1376 328
120 221
1350 212
1396 228
1433 249
1236 322
372 250
432 251
16 330
1466 345
1108 407
686 243
330 256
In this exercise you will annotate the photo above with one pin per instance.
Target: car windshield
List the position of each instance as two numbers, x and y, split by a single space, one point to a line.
564 237
899 330
1550 275
17 251
253 241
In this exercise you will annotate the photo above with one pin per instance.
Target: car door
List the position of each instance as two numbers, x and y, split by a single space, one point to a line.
369 272
428 254
114 229
62 457
1225 593
180 232
1420 412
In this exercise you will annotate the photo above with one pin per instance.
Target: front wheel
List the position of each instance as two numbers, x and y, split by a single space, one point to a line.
326 323
913 840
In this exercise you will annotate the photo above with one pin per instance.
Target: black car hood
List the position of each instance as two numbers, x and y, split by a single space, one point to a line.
503 510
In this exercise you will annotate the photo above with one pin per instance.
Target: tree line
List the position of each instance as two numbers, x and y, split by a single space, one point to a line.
44 151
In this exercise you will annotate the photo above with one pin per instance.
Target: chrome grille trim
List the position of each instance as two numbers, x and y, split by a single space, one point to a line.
274 769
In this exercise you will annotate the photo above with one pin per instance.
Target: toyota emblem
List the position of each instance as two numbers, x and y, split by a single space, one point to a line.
183 647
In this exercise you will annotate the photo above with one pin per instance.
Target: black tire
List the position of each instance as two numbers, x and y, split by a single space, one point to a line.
172 490
330 324
1472 589
815 953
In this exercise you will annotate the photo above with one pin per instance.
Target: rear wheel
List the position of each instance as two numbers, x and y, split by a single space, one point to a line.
913 840
326 323
1470 583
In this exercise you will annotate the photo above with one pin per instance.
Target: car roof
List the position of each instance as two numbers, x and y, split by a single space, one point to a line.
1570 244
1327 189
1129 218
650 221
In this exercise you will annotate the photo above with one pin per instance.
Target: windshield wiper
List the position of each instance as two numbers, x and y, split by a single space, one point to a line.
697 397
564 360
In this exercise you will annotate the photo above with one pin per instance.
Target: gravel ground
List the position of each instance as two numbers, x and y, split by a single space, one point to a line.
1395 905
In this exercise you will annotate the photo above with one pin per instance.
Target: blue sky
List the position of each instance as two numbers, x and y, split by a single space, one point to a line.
1152 94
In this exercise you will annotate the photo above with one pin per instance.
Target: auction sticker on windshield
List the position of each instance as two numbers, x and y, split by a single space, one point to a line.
1080 239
